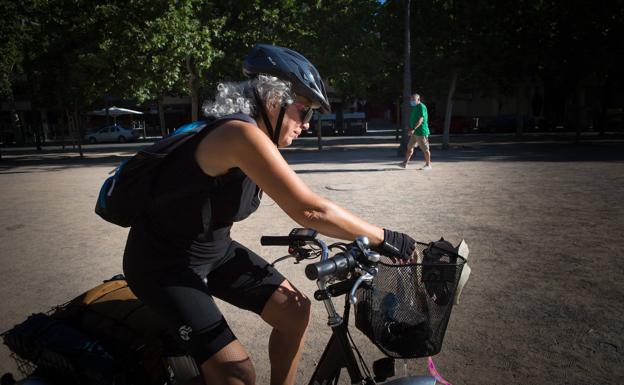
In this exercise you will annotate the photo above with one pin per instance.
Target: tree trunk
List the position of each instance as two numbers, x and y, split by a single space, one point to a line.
407 80
45 128
36 124
396 119
193 83
73 130
24 137
16 124
62 127
601 120
581 111
161 115
449 110
79 131
319 133
519 110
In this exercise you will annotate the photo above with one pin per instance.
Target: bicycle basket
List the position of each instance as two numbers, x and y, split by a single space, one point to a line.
406 308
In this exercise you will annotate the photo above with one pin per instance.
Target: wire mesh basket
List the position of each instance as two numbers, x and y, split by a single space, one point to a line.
406 309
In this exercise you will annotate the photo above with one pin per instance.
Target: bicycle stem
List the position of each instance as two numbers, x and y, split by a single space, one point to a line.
334 318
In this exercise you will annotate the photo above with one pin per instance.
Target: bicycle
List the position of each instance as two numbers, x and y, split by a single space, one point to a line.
404 316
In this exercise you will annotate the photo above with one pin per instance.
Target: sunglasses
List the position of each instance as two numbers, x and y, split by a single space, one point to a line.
305 112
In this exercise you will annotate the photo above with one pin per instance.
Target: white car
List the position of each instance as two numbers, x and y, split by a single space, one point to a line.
112 133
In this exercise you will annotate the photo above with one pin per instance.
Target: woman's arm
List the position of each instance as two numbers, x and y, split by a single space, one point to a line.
238 144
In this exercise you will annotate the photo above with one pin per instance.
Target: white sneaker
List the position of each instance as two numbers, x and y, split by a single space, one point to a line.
426 167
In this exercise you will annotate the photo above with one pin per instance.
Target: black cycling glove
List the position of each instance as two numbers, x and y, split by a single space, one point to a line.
397 245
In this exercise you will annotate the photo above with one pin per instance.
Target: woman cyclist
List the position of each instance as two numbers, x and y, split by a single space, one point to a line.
179 255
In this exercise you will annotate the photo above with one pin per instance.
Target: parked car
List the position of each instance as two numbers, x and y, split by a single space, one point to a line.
112 133
353 123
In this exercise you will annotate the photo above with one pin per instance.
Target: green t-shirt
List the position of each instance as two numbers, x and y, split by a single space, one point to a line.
420 110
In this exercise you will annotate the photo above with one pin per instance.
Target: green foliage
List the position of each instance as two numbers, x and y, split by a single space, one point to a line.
347 47
62 61
247 22
340 37
61 53
495 45
151 42
15 33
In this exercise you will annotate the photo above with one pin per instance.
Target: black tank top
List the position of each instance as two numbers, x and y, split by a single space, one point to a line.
191 213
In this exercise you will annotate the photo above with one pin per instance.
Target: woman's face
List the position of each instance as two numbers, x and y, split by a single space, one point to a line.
296 119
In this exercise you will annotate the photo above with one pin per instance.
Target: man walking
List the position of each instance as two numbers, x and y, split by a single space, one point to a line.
418 132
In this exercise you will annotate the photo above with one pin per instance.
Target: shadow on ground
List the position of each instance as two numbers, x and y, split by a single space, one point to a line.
358 150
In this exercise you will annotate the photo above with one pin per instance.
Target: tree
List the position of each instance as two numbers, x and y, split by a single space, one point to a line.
57 57
407 78
344 42
65 67
16 33
340 37
161 48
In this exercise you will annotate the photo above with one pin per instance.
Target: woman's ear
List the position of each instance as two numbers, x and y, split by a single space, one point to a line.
272 105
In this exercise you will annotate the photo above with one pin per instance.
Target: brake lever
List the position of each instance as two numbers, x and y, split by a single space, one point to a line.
366 277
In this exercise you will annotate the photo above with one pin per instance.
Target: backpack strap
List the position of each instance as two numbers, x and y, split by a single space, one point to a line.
195 131
200 125
183 134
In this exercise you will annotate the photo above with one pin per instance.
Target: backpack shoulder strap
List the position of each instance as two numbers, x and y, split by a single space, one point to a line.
198 126
238 116
181 135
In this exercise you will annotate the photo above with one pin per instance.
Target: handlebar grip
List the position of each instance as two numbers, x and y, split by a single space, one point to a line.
274 240
339 264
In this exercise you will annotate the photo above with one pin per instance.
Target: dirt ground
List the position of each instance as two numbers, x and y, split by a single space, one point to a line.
544 221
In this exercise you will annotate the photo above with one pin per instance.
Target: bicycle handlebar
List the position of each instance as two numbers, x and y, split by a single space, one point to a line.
340 264
354 255
268 240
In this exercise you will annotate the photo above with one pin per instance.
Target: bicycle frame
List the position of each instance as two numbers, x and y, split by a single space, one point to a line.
338 354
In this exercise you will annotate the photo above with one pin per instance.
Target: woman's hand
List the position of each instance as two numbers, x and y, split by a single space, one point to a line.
398 246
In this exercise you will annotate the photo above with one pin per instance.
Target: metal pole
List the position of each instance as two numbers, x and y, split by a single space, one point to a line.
319 135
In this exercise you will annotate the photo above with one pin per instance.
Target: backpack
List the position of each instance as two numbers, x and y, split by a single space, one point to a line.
126 194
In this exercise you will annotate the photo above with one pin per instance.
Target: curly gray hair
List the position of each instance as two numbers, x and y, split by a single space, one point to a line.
233 98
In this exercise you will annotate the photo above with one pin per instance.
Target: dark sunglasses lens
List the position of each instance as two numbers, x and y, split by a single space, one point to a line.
306 115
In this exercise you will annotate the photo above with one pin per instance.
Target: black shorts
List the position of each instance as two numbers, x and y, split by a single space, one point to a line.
182 293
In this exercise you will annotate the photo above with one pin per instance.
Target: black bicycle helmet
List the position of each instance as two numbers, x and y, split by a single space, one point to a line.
289 65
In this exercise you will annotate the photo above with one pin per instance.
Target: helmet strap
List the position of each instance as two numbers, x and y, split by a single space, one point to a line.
265 117
278 126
